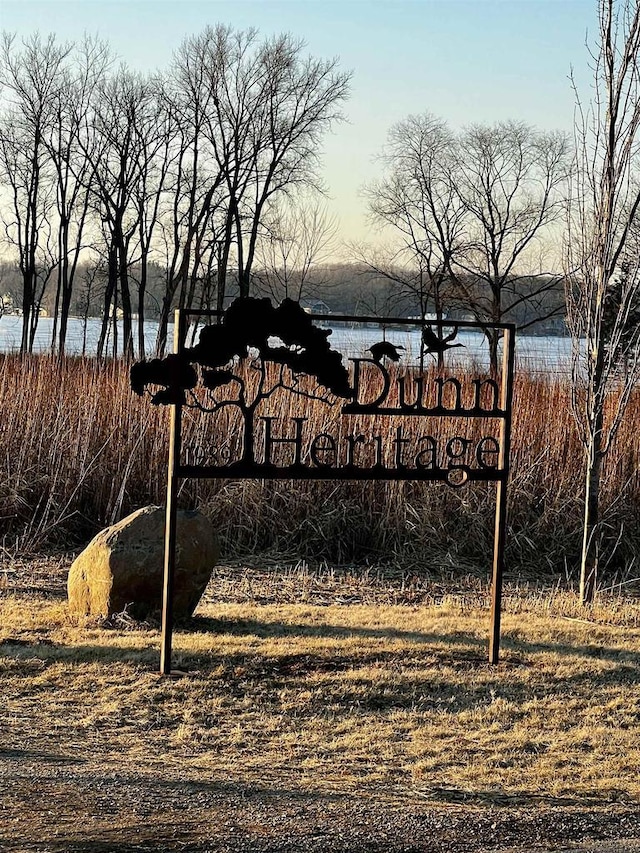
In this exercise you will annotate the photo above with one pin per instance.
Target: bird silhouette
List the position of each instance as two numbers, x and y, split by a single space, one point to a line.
433 344
384 348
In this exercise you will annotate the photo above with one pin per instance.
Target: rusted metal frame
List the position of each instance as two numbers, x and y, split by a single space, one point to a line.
500 475
435 412
300 472
378 321
171 516
500 528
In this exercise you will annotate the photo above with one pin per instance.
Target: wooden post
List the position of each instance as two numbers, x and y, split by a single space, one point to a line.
170 527
500 529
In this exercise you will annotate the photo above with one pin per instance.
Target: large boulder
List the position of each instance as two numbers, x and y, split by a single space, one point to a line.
123 566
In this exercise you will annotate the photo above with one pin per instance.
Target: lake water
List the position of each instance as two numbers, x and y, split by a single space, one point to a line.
534 353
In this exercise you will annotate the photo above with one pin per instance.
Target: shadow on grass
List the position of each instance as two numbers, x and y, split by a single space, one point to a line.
465 648
265 629
20 755
35 656
379 679
456 649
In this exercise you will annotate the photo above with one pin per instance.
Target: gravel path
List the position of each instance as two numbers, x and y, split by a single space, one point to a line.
82 806
632 845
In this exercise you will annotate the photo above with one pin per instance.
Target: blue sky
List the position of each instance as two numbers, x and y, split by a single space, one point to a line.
464 60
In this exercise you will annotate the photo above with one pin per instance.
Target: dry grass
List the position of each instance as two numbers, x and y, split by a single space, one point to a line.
348 696
79 451
389 707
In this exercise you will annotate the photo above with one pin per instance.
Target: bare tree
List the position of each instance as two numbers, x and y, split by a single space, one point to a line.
250 113
299 238
196 185
32 77
419 198
67 141
602 256
87 293
469 209
510 181
272 105
157 160
130 133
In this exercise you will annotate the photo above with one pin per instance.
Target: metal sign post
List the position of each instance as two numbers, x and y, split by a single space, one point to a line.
500 529
256 353
171 517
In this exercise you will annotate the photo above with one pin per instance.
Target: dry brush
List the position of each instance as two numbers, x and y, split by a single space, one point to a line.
79 450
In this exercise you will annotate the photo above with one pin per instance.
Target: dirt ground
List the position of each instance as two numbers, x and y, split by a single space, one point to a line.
90 807
54 803
58 795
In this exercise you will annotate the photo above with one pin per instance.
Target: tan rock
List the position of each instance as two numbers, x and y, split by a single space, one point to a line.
123 566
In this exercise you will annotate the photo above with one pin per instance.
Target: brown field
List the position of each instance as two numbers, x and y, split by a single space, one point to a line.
323 709
320 711
80 451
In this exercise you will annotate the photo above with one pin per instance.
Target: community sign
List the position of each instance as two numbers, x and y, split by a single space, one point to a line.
268 396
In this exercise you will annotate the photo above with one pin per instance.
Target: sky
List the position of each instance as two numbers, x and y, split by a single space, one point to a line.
466 61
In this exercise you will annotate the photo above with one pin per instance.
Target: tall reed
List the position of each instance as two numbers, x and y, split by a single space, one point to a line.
78 451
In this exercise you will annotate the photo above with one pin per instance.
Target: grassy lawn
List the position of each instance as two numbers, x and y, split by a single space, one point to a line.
390 705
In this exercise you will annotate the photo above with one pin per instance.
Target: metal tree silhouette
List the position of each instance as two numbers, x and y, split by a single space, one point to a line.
252 331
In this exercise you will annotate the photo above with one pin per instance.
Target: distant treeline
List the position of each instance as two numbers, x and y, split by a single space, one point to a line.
336 289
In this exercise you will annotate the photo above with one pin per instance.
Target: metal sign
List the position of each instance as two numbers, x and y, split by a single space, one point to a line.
286 404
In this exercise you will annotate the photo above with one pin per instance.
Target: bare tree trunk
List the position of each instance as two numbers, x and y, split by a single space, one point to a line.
590 541
109 292
493 340
248 455
603 287
142 289
224 260
125 299
163 322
